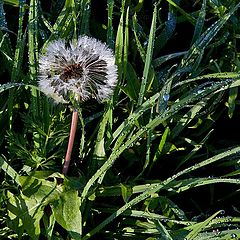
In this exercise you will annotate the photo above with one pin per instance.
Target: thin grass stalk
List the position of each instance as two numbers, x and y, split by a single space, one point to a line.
70 142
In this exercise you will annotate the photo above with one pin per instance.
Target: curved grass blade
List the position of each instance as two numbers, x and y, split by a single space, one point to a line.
186 184
222 75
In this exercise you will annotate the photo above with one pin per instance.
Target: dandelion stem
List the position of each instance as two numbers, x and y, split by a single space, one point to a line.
70 142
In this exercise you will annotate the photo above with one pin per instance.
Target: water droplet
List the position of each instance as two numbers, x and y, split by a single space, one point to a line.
166 97
233 235
87 7
222 212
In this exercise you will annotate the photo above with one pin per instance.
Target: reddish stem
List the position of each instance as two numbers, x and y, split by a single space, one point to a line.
70 142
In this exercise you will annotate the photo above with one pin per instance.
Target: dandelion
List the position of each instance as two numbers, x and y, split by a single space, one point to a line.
80 70
74 73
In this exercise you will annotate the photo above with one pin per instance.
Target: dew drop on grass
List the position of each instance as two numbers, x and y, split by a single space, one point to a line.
145 43
222 212
233 235
166 97
87 7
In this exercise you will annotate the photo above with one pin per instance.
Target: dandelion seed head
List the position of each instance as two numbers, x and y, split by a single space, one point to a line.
84 69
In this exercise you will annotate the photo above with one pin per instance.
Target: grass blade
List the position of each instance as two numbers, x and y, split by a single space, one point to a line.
148 57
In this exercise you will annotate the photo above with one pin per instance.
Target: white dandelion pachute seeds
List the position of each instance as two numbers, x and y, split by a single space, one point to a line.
84 70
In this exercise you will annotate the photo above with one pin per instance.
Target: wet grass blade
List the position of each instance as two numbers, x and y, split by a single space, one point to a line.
162 230
17 63
125 45
185 14
200 227
148 57
119 45
110 36
200 22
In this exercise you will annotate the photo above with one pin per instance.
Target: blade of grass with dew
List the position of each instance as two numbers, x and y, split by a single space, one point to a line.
221 220
84 16
154 216
9 170
5 45
233 93
163 231
16 70
110 36
220 235
196 230
186 184
138 43
159 61
125 45
33 41
158 187
14 3
119 45
200 23
222 75
19 51
33 61
99 154
186 15
82 141
194 55
168 30
148 57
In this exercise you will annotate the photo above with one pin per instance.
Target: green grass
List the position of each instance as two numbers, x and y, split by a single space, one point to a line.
150 163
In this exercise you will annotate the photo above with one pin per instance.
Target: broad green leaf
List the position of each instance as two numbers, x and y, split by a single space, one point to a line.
67 212
6 167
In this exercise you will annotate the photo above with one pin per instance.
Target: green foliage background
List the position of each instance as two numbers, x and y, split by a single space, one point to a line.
160 160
